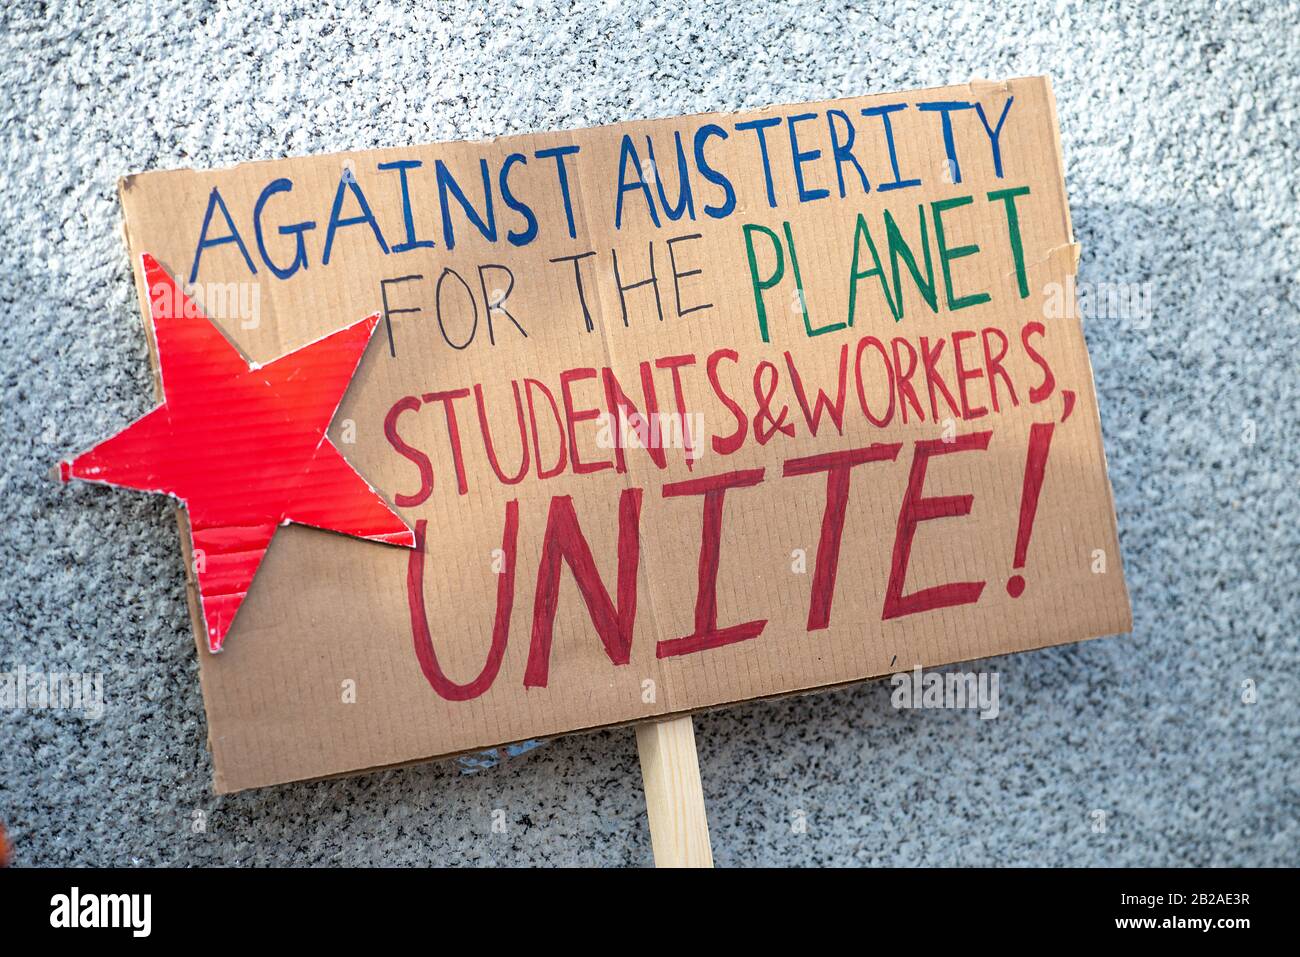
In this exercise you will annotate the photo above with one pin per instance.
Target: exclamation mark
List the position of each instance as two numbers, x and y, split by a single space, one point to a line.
1040 441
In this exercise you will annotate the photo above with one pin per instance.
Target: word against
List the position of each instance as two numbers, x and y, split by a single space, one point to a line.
103 910
953 689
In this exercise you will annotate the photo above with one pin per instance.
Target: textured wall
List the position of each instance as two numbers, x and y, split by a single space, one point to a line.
1179 123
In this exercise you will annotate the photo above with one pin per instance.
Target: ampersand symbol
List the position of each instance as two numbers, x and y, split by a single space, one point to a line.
764 393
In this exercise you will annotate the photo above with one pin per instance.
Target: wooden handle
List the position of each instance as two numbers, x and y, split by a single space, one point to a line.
679 828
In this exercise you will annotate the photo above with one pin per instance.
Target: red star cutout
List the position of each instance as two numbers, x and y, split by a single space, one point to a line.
242 446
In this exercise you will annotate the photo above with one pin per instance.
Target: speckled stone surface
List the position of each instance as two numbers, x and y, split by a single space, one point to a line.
1179 123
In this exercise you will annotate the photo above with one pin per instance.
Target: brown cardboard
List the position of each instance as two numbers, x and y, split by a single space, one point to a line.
320 675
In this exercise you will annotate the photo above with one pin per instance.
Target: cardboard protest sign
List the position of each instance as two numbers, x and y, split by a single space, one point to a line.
682 412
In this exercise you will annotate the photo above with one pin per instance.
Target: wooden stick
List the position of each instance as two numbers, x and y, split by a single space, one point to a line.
679 827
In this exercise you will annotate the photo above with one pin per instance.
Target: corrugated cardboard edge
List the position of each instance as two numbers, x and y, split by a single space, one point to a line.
1095 419
219 786
197 628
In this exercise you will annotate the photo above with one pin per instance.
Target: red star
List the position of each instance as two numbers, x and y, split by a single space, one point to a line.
242 446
